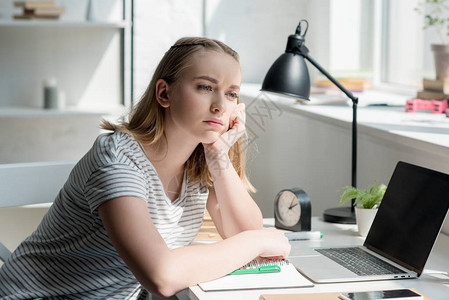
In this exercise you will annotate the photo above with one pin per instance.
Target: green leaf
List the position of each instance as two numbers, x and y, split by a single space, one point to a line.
366 198
434 12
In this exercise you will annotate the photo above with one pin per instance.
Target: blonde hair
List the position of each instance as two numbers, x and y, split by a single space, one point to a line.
146 122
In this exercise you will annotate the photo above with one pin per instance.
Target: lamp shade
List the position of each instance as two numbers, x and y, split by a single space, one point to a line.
288 76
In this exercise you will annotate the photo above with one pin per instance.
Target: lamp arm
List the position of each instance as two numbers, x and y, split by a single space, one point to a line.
354 99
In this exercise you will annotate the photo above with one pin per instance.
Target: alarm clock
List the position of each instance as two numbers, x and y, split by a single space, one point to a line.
292 210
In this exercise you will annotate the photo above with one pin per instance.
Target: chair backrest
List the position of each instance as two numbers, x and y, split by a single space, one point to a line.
31 183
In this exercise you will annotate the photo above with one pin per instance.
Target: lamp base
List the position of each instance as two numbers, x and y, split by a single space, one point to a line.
342 215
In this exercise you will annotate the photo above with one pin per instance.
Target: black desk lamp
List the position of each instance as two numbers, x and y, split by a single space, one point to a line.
289 76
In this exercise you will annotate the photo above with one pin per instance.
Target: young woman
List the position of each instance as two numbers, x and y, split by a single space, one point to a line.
135 201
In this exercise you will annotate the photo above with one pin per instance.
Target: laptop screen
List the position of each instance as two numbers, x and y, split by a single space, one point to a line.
410 216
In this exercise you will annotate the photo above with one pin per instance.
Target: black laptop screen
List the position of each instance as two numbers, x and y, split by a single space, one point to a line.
410 215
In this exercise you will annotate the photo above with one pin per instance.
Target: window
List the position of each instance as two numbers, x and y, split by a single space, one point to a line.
399 44
391 46
403 54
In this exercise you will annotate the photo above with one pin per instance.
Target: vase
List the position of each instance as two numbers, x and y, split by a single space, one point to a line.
91 14
441 59
364 218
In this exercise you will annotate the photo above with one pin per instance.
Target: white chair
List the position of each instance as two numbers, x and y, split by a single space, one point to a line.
31 183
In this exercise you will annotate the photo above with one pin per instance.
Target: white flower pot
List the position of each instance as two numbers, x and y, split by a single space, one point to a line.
364 218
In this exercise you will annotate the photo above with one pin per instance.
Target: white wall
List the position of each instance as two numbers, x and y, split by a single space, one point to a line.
157 25
292 150
256 29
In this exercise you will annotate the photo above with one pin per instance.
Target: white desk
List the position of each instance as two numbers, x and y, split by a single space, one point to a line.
434 282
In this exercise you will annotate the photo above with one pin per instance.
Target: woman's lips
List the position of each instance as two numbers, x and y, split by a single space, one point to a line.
215 123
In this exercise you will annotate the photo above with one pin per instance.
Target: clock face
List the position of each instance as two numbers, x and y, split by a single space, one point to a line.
288 209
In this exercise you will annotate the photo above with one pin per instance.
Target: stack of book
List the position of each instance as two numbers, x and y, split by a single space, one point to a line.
351 84
325 92
38 10
434 89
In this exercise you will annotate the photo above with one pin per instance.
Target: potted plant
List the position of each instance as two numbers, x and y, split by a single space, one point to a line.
366 203
436 16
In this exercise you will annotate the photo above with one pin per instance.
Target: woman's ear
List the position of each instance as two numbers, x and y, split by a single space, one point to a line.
162 93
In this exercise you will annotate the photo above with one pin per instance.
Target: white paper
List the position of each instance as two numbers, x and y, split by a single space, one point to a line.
289 277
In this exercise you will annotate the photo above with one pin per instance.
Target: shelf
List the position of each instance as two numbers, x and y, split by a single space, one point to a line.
70 111
56 23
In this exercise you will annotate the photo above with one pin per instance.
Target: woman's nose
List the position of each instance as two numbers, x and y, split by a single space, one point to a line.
218 104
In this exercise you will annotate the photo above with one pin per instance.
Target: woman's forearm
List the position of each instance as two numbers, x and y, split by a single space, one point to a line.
188 266
238 210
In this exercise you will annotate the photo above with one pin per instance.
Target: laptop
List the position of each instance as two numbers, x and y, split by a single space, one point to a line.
400 239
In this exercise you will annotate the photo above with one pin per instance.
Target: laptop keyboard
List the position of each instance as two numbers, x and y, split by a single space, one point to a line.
358 261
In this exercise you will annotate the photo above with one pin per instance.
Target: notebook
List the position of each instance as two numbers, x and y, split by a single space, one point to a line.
402 235
289 277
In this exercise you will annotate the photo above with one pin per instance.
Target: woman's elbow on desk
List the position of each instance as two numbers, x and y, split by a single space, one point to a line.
164 290
165 280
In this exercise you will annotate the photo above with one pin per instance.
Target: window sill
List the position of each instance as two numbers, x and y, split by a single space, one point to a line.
381 114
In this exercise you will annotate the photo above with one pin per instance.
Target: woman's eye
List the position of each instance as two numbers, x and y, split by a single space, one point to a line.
233 95
207 88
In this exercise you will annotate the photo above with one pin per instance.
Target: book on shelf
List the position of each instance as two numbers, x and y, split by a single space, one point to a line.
44 11
32 17
34 4
436 85
431 95
39 10
351 84
324 96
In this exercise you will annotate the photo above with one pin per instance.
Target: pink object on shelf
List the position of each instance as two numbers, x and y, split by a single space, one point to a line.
436 106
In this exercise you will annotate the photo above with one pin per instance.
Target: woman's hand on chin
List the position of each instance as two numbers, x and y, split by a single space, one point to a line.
217 152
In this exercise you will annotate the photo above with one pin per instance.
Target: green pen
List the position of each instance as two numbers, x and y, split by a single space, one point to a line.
263 269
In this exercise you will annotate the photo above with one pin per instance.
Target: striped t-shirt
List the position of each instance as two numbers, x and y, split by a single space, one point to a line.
70 256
